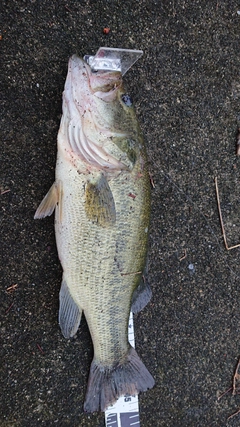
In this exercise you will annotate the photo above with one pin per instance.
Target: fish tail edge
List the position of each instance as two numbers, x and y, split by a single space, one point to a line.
107 384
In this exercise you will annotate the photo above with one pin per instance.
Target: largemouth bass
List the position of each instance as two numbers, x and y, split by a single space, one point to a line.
101 198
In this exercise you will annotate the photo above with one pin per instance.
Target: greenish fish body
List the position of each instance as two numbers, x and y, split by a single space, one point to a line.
101 198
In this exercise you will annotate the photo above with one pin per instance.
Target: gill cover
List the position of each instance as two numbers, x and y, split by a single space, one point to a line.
90 130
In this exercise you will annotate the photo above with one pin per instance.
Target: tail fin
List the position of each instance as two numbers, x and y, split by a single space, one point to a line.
106 385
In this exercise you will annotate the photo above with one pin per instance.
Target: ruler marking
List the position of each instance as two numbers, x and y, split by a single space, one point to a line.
111 419
126 421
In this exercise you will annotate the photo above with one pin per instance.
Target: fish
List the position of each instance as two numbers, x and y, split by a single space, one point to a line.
101 198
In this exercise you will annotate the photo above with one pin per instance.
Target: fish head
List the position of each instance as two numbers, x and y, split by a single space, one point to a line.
99 124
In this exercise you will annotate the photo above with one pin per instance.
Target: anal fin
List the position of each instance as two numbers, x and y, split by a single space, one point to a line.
69 313
99 202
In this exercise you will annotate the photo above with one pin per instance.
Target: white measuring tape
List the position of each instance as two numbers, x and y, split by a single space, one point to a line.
125 412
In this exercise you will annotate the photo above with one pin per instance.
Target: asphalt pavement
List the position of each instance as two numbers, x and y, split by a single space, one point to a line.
186 90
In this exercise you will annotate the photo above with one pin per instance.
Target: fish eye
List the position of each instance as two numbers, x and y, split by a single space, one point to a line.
127 100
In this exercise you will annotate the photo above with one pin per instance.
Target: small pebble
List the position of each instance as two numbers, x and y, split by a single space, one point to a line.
191 268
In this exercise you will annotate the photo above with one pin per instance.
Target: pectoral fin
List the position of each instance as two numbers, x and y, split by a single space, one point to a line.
99 202
69 313
48 204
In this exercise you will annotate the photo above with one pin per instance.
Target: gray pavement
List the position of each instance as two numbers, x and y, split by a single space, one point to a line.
186 90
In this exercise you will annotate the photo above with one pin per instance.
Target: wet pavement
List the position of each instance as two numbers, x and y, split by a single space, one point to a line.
186 89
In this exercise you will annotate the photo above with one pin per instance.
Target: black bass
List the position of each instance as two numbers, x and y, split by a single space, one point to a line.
101 198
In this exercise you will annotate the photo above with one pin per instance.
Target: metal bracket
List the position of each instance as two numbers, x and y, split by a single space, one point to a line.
113 59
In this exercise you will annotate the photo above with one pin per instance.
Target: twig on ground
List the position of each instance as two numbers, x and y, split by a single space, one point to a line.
4 191
12 288
225 392
235 386
184 255
238 143
233 415
9 308
151 180
236 379
221 221
40 348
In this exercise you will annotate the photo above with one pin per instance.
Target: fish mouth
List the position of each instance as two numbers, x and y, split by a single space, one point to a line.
103 84
76 63
78 71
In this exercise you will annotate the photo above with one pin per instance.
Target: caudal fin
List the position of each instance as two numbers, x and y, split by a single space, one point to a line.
106 385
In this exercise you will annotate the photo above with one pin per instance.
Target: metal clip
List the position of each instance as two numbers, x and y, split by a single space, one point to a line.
113 59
